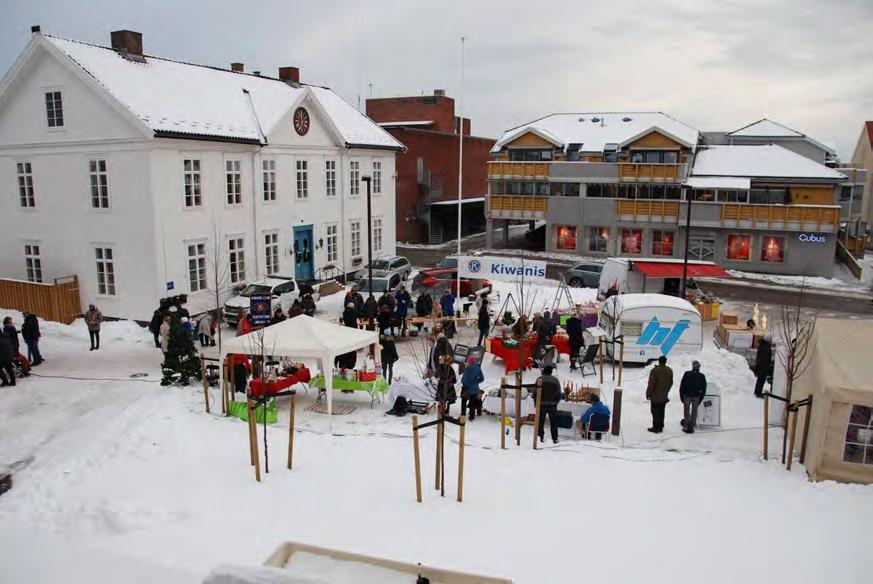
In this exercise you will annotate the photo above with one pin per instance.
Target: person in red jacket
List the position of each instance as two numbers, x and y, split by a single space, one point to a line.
241 367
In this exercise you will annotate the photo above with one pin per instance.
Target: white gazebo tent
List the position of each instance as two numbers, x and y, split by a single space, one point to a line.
303 337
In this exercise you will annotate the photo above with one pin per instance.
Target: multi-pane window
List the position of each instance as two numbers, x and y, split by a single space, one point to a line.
269 167
54 109
631 241
302 179
858 447
330 178
233 180
739 246
99 184
354 178
377 234
193 186
25 185
33 263
237 259
105 271
566 237
197 266
773 249
271 252
662 243
598 237
377 177
356 238
332 243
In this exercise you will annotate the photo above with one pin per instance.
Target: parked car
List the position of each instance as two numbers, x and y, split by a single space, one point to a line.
448 262
439 279
387 266
380 284
584 275
283 289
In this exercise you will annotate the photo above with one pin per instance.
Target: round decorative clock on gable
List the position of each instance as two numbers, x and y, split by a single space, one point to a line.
301 121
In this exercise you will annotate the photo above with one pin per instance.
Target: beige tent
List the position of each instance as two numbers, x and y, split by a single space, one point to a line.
840 381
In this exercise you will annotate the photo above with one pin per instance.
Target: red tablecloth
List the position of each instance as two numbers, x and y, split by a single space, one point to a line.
511 357
259 387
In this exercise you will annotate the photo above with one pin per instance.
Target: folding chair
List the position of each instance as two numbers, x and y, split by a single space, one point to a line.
590 354
598 425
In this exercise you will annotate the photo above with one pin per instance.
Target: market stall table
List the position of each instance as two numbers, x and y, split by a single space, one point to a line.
375 389
259 387
491 404
510 354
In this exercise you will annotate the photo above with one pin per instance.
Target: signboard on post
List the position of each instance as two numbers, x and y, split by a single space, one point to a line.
499 268
260 309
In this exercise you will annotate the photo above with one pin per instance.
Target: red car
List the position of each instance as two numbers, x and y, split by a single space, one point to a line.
438 279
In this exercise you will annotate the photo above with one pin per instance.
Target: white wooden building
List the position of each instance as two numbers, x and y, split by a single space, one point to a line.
125 168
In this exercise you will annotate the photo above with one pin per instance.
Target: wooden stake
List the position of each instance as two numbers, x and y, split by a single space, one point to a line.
224 389
436 481
503 413
791 445
253 426
463 421
602 349
805 435
417 458
537 413
518 414
766 426
205 381
291 412
620 361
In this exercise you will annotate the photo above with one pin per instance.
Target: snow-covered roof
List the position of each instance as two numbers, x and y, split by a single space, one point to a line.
765 128
593 131
182 98
630 301
718 182
759 161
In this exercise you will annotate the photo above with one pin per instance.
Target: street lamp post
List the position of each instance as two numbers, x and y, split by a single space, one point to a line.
687 236
367 180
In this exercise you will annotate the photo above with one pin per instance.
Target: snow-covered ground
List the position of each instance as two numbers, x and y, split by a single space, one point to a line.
842 281
112 466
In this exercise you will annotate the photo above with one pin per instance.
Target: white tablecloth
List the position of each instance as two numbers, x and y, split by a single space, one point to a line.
528 407
411 391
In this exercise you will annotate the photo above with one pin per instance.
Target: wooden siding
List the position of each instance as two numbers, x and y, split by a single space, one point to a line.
530 170
497 203
636 171
529 140
654 140
58 302
780 214
641 209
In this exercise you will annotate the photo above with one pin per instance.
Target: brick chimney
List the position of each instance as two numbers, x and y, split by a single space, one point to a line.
237 67
289 74
35 29
128 43
439 92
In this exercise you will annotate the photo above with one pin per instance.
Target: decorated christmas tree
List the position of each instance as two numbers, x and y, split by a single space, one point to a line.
181 361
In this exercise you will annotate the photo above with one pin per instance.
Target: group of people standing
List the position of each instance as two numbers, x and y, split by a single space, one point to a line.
692 389
10 348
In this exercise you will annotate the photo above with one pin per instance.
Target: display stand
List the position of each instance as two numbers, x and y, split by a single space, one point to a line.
254 402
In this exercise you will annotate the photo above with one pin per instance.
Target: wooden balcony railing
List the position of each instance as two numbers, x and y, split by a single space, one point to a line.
646 210
523 203
641 171
820 215
529 170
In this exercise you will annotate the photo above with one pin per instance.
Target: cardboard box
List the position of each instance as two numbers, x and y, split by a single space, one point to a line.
728 319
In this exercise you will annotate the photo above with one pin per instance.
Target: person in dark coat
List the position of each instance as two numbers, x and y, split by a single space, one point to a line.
350 319
386 301
660 382
424 304
692 388
484 322
763 363
155 326
296 308
442 348
359 300
7 371
550 396
389 357
93 318
371 309
446 381
308 305
575 337
278 316
402 300
241 369
350 315
30 334
385 318
12 334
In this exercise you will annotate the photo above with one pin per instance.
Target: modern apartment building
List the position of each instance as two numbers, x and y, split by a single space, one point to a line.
619 184
141 174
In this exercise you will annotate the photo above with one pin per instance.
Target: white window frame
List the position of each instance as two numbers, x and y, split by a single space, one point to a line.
233 182
268 168
33 261
302 167
330 178
355 236
54 108
354 178
236 258
200 282
98 176
271 252
104 257
26 193
377 177
192 182
332 242
377 234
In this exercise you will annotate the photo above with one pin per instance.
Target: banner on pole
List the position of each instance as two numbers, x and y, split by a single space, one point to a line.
499 268
259 307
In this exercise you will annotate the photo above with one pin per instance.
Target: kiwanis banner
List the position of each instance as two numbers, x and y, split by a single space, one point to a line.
498 268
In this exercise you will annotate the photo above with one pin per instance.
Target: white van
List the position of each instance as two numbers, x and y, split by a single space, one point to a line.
652 325
625 278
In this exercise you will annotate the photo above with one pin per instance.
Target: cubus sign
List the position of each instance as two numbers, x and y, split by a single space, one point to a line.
498 268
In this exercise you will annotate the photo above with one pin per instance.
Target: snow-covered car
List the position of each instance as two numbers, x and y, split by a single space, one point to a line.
284 291
388 266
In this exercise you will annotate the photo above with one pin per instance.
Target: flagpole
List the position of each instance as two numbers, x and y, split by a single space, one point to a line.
460 163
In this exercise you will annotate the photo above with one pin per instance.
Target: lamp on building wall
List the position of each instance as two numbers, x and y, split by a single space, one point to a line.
320 242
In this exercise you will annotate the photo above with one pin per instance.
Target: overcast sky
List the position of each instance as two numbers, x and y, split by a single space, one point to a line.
715 64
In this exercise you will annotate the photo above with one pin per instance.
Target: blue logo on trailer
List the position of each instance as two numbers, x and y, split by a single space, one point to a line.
474 266
657 335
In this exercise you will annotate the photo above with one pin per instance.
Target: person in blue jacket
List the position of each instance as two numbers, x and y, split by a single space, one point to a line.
470 380
447 303
402 300
602 423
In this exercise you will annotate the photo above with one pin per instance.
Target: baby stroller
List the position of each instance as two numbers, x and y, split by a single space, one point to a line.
22 366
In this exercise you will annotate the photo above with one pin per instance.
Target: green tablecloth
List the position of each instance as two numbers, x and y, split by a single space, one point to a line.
343 384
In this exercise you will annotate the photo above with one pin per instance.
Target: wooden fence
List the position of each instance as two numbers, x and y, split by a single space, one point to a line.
59 301
849 260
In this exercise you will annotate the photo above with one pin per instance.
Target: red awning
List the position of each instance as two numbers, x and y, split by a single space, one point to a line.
674 270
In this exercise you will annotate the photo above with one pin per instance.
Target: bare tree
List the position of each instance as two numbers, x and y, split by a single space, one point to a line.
218 261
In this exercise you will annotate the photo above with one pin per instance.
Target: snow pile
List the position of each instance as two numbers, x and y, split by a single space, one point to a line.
845 284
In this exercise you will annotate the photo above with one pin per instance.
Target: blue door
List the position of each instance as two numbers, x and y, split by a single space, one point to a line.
303 251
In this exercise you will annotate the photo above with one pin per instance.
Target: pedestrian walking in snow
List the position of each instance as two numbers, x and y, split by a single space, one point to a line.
576 338
549 397
446 381
660 382
12 334
93 318
204 330
389 357
692 388
30 334
165 334
763 362
155 326
483 323
7 371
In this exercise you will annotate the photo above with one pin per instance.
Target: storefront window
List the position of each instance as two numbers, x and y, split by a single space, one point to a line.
662 243
859 436
739 246
773 249
597 238
567 237
631 240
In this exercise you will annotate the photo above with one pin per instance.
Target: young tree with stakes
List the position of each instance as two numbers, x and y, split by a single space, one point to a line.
181 361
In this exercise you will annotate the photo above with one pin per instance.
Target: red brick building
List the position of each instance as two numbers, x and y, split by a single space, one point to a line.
427 173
